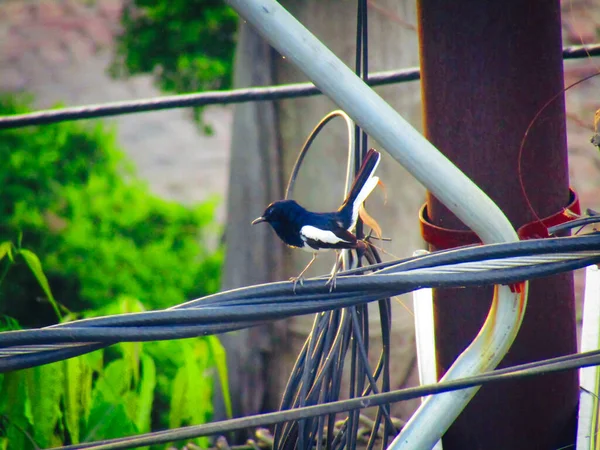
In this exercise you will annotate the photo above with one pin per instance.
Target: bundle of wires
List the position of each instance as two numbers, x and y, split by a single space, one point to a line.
322 358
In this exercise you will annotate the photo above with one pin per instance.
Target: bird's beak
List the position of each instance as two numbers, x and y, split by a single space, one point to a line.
258 220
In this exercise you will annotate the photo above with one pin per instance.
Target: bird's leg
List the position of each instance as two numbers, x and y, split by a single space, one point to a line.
332 278
298 279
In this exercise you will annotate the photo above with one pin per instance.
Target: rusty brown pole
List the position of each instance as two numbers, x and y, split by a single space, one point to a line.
487 69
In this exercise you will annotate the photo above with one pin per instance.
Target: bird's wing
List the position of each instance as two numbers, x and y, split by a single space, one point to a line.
326 239
363 185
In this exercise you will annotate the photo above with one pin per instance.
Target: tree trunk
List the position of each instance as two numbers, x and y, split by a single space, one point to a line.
253 255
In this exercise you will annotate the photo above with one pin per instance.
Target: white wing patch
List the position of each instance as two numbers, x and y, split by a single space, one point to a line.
366 190
314 233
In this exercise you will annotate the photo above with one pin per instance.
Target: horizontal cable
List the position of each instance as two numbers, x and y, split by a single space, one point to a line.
175 324
245 307
581 51
190 100
224 97
582 222
558 364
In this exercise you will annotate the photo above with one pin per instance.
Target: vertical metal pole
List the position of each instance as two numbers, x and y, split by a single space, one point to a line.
487 69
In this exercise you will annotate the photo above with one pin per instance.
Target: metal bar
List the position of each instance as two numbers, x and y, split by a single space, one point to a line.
430 167
589 377
425 338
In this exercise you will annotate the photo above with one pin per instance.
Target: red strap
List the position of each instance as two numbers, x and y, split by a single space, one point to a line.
539 228
444 238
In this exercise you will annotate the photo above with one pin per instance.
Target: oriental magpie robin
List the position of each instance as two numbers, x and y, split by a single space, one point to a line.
314 232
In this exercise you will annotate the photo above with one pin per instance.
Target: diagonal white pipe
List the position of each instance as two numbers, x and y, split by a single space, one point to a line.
432 169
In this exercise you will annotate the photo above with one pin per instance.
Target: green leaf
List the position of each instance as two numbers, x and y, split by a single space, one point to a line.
72 397
36 268
191 395
131 350
13 404
108 420
77 395
114 381
45 386
108 416
146 394
177 410
6 249
220 362
7 323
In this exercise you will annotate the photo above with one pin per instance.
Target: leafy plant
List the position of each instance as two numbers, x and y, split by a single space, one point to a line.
94 397
81 236
98 230
187 46
111 393
9 250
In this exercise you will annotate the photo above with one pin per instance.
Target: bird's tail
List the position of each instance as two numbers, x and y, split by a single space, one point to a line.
363 185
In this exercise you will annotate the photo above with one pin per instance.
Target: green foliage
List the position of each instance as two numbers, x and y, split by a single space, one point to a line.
85 399
111 393
97 229
96 238
9 250
187 45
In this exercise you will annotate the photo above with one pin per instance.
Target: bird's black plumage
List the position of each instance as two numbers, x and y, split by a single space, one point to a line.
288 219
313 232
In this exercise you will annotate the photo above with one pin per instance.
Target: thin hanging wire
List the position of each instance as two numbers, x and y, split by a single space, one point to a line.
338 335
360 314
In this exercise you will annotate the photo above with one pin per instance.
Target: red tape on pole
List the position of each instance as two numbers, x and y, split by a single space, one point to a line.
445 238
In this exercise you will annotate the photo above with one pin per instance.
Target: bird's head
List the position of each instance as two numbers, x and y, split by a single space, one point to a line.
277 212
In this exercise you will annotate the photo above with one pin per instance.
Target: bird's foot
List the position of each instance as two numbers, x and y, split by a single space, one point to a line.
297 280
331 282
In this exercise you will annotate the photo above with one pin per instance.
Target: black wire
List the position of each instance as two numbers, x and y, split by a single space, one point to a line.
589 242
474 253
223 97
545 367
309 372
286 400
361 348
383 366
308 431
573 224
399 279
190 100
289 191
356 366
351 290
581 51
352 417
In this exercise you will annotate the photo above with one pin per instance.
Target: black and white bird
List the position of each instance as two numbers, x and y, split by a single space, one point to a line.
315 232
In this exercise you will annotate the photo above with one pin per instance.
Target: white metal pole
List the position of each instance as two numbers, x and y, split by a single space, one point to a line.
589 377
430 167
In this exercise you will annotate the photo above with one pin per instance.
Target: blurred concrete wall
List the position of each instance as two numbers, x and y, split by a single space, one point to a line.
59 51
